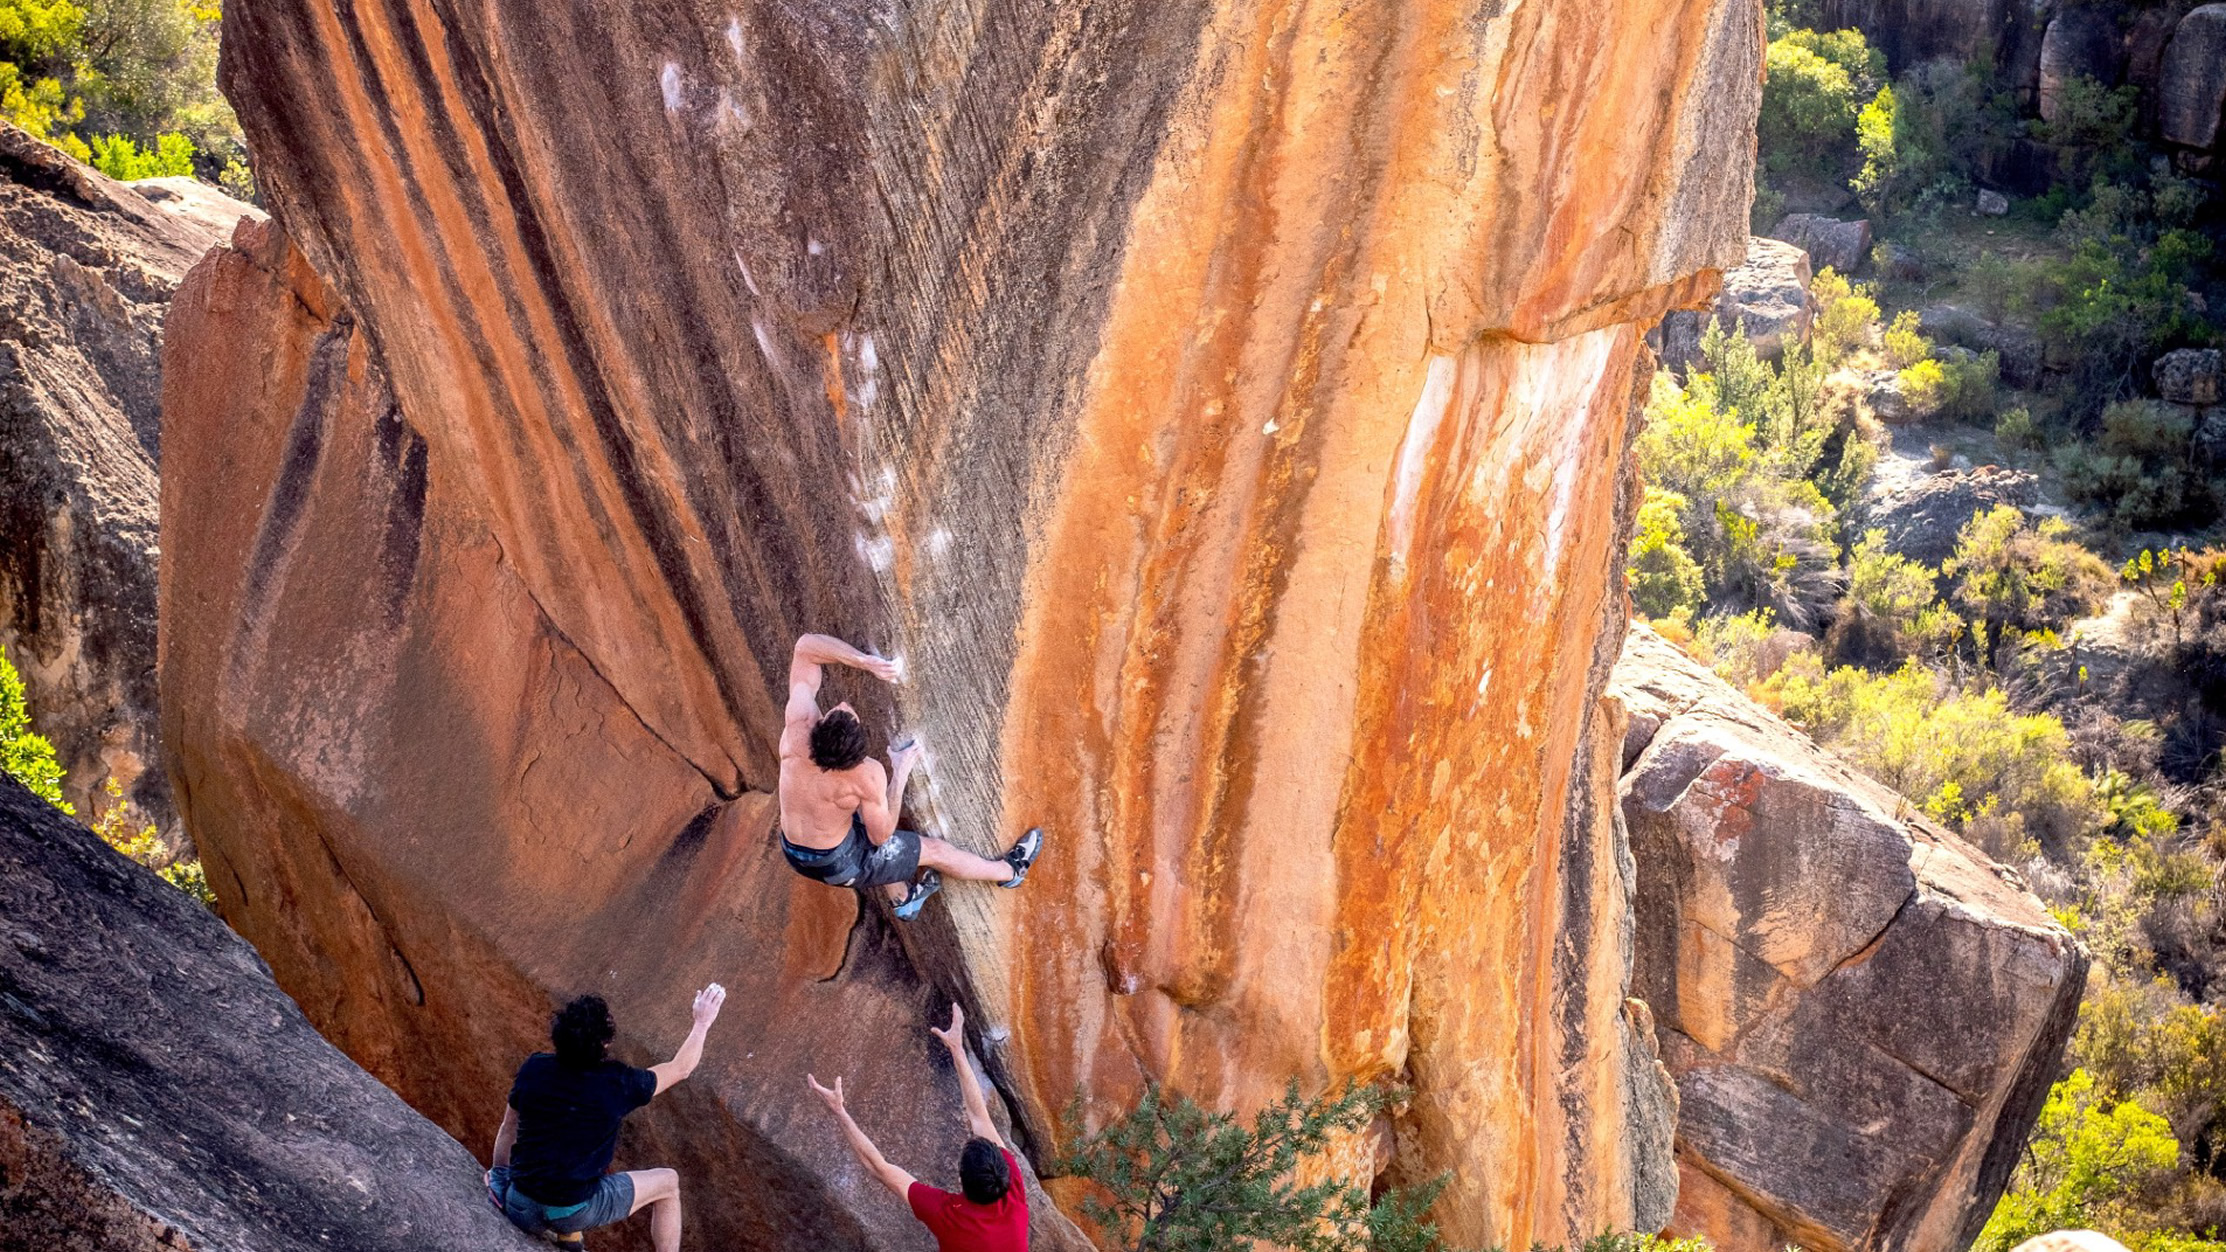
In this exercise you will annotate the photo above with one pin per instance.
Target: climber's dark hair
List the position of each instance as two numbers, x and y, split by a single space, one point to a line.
581 1030
838 741
981 1172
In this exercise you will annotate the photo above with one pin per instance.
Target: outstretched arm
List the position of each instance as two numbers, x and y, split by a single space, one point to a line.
506 1137
895 1179
684 1062
807 669
969 1087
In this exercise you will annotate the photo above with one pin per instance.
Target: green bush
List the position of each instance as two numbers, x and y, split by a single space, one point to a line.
119 158
1815 85
1666 581
2010 573
2140 470
1903 343
1173 1177
1846 317
2090 1164
1924 386
1889 612
25 755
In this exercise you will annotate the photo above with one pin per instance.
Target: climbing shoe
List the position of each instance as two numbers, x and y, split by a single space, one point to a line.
928 884
1022 855
575 1240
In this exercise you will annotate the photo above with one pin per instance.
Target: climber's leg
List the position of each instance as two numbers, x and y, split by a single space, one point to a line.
959 863
658 1190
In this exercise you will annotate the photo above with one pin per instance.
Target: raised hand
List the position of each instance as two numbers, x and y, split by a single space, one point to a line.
832 1099
882 668
707 1004
953 1035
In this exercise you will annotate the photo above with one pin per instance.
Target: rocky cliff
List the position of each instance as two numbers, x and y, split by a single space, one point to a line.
1220 407
1863 1013
157 1091
87 266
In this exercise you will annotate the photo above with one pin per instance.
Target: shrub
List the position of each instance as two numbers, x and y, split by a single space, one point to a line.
2140 471
1904 345
2089 1158
1666 581
1883 617
2011 574
1924 386
1876 183
121 829
119 158
1173 1177
2015 428
1814 87
1846 317
25 755
1999 776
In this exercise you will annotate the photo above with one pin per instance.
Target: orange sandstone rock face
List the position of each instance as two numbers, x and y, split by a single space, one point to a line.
1221 408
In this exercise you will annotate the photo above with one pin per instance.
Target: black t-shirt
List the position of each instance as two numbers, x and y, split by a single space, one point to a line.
568 1124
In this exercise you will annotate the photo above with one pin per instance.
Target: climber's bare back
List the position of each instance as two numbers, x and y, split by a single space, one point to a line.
817 804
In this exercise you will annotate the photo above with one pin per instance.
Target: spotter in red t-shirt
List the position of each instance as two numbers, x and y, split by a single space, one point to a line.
960 1225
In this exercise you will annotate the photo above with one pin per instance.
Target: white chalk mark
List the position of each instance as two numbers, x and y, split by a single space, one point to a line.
938 542
1415 449
734 36
747 279
877 552
814 246
670 82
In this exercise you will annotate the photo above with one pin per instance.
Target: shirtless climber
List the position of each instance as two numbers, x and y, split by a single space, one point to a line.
989 1212
839 807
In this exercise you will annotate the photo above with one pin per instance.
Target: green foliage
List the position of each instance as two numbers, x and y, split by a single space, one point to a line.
1666 581
1999 776
2169 580
1878 180
1173 1177
1903 343
1924 386
1810 97
119 158
2089 1160
2140 470
38 34
25 755
1846 317
1890 611
2010 573
2015 428
120 828
2095 122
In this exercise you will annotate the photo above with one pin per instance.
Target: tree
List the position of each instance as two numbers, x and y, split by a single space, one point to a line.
1665 579
2088 1159
25 755
1173 1177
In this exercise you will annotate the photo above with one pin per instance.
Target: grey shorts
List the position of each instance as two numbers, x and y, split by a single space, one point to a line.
856 861
612 1201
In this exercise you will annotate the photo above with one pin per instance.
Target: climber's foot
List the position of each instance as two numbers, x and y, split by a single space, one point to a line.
928 884
1021 855
575 1241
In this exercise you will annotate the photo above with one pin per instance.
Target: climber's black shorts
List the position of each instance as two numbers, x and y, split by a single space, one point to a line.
856 862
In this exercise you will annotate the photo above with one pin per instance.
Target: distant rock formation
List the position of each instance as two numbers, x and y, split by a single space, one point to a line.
159 1092
87 266
1221 408
1765 296
1863 1013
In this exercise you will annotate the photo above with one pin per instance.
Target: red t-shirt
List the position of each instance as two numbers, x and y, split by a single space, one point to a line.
960 1225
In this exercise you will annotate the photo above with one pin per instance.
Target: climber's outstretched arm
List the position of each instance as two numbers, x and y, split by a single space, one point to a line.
807 669
969 1088
895 1179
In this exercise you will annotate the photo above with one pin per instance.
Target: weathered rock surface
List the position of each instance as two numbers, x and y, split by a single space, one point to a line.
1912 31
1829 241
1767 294
2191 86
1921 517
2070 1241
2190 375
1863 1014
2018 349
86 268
158 1091
2082 41
1219 408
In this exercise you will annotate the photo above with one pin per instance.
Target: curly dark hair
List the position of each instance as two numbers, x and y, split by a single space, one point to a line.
838 741
581 1031
981 1172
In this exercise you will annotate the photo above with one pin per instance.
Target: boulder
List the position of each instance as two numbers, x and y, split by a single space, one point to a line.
1828 241
2081 42
158 1091
2189 376
609 347
1767 296
1911 32
2018 348
1921 516
1992 203
1863 1014
87 266
1898 263
1888 400
2191 83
